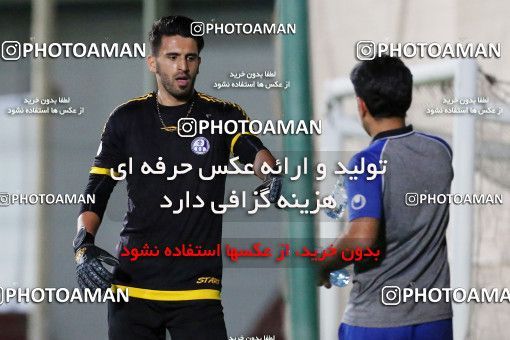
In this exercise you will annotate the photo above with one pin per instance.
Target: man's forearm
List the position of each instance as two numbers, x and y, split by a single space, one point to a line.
263 156
342 244
360 233
101 186
90 220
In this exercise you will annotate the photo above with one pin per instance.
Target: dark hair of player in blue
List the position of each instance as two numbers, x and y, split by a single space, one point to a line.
385 84
172 25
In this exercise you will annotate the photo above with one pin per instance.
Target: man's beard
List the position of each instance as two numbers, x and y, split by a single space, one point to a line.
170 85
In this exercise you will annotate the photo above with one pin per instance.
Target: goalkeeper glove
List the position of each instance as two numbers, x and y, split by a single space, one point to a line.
273 184
89 269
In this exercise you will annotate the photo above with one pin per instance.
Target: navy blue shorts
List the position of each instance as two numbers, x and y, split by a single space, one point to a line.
435 330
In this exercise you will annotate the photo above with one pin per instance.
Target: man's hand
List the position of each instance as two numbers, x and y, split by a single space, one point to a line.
273 184
324 277
90 272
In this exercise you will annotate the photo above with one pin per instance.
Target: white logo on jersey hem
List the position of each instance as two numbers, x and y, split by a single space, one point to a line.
358 202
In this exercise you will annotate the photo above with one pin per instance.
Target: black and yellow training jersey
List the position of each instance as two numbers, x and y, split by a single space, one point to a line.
135 131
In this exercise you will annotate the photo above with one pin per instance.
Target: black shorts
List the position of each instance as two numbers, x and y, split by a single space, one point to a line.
142 319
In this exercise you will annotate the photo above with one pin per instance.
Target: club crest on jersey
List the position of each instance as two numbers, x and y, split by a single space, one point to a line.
200 145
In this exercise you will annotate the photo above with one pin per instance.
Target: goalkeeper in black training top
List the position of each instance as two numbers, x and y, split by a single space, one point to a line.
181 294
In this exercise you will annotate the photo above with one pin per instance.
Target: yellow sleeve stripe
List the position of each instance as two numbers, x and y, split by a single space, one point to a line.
102 171
137 99
210 98
234 140
217 100
148 95
170 295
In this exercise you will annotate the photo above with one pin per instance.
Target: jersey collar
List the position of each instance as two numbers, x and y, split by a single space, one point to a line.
393 132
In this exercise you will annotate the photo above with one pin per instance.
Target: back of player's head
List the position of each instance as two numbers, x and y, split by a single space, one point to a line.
169 26
385 84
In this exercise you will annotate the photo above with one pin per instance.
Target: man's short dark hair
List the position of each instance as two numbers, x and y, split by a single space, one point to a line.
385 84
169 26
